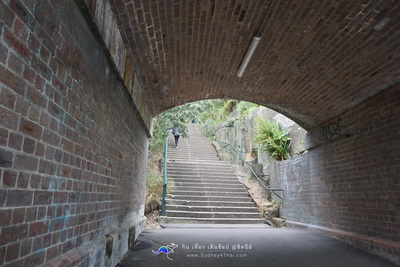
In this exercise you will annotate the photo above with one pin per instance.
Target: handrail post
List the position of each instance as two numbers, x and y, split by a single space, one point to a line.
163 203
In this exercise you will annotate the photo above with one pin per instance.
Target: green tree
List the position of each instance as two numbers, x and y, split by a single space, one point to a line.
176 117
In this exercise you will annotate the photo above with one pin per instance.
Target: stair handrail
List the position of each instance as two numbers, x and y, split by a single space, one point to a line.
239 153
165 178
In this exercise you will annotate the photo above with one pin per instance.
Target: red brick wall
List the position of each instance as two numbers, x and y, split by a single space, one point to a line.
73 149
350 184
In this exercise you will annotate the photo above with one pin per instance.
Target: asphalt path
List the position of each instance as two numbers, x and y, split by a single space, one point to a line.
244 247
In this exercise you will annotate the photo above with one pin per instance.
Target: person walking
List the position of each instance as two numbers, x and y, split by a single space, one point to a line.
175 132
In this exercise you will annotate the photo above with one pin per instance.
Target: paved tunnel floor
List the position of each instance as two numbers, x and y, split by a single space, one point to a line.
245 247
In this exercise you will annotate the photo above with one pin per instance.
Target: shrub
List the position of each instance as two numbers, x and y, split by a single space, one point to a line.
272 139
245 108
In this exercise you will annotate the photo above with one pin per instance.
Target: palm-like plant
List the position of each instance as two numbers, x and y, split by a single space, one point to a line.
272 139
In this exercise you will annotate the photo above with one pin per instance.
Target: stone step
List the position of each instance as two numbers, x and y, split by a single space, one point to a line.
205 173
212 208
199 167
196 163
205 189
198 188
207 184
191 157
213 180
165 219
203 214
202 178
207 203
209 198
197 171
178 152
207 193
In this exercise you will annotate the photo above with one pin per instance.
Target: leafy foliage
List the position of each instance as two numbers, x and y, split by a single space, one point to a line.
212 117
272 139
245 108
154 179
176 117
229 107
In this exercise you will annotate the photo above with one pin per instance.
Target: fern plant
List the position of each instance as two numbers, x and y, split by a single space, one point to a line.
272 139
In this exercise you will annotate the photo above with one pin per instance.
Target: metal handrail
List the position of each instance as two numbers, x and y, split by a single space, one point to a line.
239 153
165 176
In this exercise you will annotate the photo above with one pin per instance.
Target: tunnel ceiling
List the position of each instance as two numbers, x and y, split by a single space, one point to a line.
315 60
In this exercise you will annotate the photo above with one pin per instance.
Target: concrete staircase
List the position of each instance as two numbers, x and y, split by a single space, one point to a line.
204 189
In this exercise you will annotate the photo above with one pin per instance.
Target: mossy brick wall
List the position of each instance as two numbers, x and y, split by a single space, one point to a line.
73 147
350 184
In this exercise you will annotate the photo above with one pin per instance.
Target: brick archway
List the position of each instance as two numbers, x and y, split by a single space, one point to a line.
80 81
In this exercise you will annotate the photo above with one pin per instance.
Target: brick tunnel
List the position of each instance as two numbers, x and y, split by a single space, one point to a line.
80 81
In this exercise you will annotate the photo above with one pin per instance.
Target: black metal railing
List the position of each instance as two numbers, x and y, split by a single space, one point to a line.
243 161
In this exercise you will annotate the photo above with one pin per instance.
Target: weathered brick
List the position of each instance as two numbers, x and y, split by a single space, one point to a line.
41 213
35 97
20 30
16 198
35 181
29 74
17 45
26 246
18 216
6 158
8 119
35 259
46 40
3 137
3 197
23 180
12 252
58 155
34 113
7 99
42 198
49 153
3 53
64 171
60 197
14 63
40 149
37 228
40 83
18 8
56 111
51 137
2 254
22 107
30 214
41 68
44 54
15 141
33 43
5 217
30 128
6 14
29 145
26 162
10 178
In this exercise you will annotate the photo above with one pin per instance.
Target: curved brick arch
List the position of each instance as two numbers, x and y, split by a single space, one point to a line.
315 59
